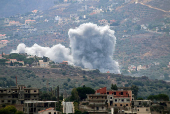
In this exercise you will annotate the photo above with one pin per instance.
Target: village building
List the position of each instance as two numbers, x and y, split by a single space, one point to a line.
12 23
3 36
18 94
48 111
43 64
97 103
35 107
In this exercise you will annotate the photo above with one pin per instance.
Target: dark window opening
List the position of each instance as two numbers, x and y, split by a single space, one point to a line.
111 103
121 93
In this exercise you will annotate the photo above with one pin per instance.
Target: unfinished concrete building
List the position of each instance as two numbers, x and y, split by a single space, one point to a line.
18 94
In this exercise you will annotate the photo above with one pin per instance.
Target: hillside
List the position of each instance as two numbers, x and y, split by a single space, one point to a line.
68 77
13 7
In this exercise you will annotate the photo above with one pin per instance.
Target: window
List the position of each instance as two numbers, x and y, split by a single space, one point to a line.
110 97
121 93
127 99
120 104
36 91
102 107
115 104
49 112
107 92
9 96
115 100
138 109
126 104
9 101
97 108
114 93
34 95
2 101
122 100
147 110
54 112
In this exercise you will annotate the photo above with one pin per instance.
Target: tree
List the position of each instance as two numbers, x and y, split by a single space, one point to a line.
11 109
11 64
74 95
160 97
163 97
45 59
135 89
19 112
114 87
82 91
140 98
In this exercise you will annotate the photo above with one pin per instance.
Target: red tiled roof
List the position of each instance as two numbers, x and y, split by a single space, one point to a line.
46 109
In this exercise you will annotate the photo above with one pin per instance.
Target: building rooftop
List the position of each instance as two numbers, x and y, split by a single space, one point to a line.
40 101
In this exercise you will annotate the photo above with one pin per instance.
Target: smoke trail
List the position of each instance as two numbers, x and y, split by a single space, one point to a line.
92 47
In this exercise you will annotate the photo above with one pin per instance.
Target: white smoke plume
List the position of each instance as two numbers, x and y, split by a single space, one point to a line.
91 46
57 53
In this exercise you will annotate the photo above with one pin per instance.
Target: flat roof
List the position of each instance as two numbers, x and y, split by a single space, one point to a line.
40 101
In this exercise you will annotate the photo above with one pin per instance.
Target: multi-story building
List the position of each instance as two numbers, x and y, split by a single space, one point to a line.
18 94
33 107
140 107
97 103
117 99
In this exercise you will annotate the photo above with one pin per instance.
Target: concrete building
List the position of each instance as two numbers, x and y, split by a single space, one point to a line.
140 107
97 103
43 64
33 107
18 94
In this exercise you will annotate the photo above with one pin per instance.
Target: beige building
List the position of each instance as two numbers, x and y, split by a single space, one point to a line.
97 103
140 107
18 94
43 64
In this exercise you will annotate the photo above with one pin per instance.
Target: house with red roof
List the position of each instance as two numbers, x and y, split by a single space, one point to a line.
3 36
48 111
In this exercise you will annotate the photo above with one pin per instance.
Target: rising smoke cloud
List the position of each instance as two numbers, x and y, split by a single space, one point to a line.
91 46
